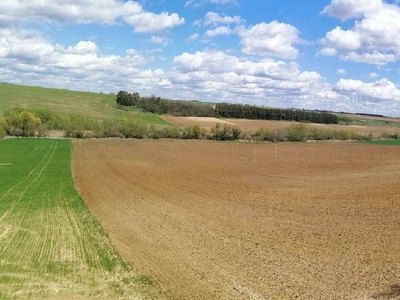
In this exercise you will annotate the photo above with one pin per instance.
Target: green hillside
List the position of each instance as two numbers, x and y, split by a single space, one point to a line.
96 105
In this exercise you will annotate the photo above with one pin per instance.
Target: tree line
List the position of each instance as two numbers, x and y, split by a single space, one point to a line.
158 105
223 110
39 122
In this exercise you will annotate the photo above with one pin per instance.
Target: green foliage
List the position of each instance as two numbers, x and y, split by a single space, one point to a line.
158 105
240 111
22 123
132 129
264 134
298 132
194 132
224 132
390 136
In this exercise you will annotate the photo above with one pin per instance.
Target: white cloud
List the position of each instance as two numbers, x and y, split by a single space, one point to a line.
346 9
373 75
382 89
86 11
374 58
159 40
198 3
222 30
339 39
216 19
33 59
371 40
341 71
270 39
193 37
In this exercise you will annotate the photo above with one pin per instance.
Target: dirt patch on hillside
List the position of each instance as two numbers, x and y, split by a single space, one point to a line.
205 122
250 221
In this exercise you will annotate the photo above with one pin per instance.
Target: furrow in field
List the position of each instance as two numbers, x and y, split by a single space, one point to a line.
239 221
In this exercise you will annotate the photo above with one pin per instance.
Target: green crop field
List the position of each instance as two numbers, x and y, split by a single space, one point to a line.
50 244
88 104
383 142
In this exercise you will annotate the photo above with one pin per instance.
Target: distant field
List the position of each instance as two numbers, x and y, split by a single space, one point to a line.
253 125
50 244
243 221
64 101
384 142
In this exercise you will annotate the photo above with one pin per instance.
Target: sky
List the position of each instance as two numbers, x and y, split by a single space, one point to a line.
337 55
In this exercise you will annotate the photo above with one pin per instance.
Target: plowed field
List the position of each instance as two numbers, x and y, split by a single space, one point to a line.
250 221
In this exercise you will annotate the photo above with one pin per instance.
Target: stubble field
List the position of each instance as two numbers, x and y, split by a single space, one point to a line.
250 221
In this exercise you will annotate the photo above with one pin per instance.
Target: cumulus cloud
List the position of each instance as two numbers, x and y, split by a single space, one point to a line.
32 58
216 19
373 75
86 11
346 9
198 3
381 89
222 30
193 37
371 39
159 40
270 39
232 75
341 71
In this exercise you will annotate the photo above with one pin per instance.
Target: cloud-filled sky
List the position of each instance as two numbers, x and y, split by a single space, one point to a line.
340 55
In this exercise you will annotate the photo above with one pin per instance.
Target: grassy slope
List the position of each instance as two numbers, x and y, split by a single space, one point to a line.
84 103
50 244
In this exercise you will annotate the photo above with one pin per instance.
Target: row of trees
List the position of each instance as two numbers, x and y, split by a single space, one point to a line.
224 110
240 111
158 105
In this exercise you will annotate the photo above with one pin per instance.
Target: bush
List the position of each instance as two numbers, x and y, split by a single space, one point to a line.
280 135
224 132
22 123
133 129
298 132
263 134
194 132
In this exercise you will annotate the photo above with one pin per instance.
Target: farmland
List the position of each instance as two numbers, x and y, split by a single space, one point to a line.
217 220
253 125
50 244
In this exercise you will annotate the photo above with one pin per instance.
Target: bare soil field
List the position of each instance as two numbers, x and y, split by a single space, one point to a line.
253 125
217 220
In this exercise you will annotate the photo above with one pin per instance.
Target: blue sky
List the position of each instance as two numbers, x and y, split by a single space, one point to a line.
340 55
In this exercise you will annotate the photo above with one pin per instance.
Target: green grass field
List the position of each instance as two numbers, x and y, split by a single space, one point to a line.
95 105
383 142
50 244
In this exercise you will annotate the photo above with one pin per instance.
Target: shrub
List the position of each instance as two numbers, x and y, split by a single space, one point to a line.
298 132
263 134
133 129
224 132
280 135
22 123
194 132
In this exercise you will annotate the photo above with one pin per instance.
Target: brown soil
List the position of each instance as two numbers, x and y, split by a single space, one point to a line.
253 125
250 221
